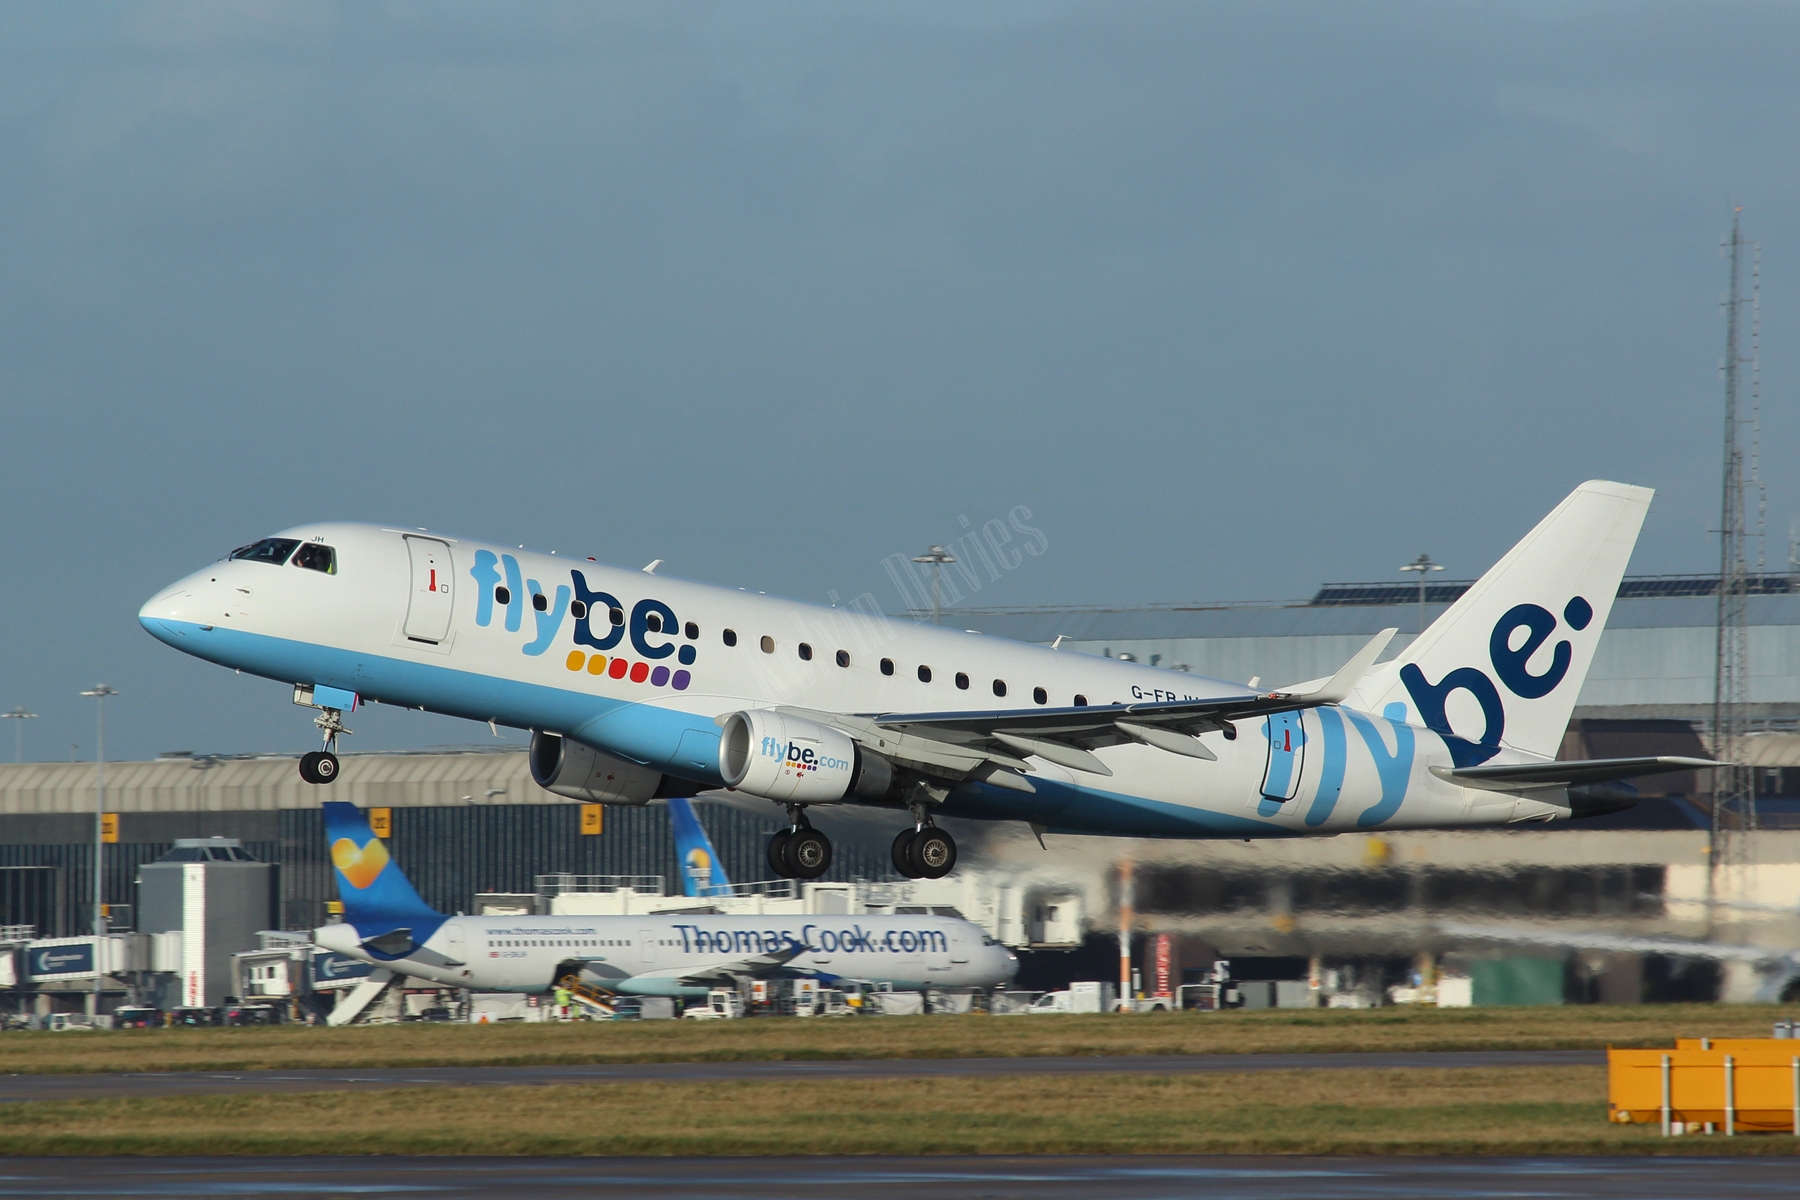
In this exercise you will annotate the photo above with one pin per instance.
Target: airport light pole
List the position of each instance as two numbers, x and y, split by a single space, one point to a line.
20 715
1424 566
99 692
937 556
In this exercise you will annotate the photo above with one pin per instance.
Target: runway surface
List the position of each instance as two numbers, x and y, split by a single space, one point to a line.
19 1088
961 1178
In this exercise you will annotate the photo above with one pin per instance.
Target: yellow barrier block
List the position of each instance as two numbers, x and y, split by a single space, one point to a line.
1738 1084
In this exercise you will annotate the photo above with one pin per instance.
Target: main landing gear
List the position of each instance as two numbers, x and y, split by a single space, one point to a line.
924 852
799 851
321 766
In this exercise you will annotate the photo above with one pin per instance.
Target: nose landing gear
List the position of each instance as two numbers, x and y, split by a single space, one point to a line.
321 766
799 851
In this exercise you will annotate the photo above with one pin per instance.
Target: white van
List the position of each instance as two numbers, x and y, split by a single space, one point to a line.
721 1004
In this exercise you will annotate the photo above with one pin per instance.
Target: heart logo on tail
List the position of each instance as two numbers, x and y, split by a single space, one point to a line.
359 865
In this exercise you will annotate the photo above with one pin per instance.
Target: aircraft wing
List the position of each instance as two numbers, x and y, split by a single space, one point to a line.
752 966
994 744
1521 777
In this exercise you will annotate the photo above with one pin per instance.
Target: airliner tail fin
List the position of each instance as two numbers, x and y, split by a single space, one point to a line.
374 890
1503 666
702 874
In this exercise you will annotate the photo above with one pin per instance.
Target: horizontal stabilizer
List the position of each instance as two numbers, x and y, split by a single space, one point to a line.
1522 777
394 943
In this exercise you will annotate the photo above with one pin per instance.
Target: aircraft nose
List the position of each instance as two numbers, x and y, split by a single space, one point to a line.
166 615
161 615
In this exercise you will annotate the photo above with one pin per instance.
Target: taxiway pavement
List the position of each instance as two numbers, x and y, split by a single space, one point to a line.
1151 1177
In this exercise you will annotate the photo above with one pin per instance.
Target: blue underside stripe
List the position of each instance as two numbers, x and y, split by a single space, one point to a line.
651 736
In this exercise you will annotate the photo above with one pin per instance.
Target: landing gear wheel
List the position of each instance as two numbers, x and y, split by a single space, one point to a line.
318 767
808 854
903 853
932 854
778 862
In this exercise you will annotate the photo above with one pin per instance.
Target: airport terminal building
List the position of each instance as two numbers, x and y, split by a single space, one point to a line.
472 823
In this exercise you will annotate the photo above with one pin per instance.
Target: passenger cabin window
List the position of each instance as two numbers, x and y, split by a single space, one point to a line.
692 631
502 595
1080 700
962 681
1040 695
616 615
805 651
269 550
577 609
768 644
730 636
924 674
540 602
653 622
887 666
999 687
315 557
843 658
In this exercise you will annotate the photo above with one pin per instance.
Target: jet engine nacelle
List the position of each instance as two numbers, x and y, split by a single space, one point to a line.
569 768
787 758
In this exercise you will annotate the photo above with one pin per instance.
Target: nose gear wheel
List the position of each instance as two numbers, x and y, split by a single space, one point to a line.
320 766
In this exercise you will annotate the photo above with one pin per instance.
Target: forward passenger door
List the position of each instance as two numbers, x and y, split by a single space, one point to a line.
428 609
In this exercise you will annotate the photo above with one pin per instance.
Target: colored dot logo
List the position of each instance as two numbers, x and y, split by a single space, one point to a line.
619 668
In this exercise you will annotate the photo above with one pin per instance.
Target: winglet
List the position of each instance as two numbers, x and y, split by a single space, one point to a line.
1337 689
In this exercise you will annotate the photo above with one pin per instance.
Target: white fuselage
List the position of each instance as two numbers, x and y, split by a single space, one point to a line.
413 618
655 954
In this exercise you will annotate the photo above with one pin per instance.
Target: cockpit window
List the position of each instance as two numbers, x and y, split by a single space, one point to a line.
315 557
269 550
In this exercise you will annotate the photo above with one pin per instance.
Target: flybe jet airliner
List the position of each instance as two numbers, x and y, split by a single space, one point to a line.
387 923
635 686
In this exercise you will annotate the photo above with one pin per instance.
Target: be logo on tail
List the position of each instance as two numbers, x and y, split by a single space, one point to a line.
1510 656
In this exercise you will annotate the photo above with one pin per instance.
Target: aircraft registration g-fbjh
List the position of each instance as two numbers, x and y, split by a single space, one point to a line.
637 686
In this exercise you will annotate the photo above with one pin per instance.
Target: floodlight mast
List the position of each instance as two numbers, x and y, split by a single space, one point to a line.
1424 566
99 692
937 556
18 714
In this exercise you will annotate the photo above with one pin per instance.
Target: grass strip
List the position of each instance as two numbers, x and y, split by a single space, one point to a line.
1558 1110
770 1039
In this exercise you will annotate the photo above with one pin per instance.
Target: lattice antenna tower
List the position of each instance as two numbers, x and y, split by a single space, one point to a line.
1734 791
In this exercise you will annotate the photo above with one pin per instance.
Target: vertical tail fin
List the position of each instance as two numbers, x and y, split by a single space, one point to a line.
1504 664
702 874
373 888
